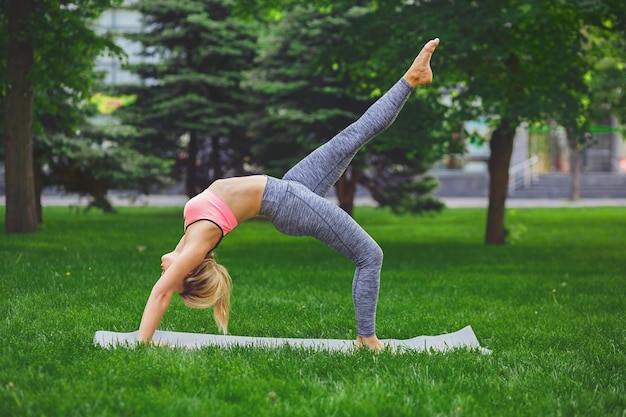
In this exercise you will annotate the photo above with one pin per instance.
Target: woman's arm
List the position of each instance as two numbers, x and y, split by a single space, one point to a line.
156 307
197 243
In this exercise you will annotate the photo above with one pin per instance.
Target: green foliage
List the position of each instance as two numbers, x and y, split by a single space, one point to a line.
507 55
197 53
98 160
307 99
86 271
518 61
607 78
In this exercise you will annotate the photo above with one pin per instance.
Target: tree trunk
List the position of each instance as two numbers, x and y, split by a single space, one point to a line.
346 188
576 163
501 146
576 158
21 211
215 158
615 141
191 188
99 198
38 189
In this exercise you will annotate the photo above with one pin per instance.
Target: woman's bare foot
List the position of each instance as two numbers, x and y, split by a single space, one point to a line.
420 72
371 342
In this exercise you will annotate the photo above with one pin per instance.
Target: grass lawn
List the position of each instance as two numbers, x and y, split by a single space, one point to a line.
551 305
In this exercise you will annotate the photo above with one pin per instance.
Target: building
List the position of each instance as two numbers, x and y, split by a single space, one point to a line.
120 21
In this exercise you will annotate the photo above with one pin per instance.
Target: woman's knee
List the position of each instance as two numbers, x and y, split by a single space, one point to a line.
371 256
377 254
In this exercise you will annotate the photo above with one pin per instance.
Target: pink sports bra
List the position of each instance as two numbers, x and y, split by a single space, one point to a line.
208 206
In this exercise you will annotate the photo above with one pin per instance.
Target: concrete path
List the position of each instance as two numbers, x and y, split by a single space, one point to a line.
451 202
458 202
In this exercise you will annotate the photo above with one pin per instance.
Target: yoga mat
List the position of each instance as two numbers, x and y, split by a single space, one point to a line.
464 338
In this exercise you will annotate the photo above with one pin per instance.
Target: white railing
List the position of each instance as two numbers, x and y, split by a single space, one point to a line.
521 175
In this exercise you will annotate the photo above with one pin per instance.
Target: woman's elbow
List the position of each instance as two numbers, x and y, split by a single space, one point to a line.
159 294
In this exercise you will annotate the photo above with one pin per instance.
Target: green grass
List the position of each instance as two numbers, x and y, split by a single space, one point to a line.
551 306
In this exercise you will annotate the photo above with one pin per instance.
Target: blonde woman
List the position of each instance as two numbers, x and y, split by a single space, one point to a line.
296 206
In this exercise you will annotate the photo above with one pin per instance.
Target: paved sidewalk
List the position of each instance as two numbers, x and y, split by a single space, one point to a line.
451 202
457 202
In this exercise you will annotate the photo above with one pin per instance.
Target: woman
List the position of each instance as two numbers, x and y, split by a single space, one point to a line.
296 206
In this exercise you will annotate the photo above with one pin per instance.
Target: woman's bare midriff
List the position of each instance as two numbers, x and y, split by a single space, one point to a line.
242 194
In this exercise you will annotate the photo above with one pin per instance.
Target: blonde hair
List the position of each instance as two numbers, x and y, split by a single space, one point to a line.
209 286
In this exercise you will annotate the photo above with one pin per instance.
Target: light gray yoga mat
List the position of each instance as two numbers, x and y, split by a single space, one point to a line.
464 338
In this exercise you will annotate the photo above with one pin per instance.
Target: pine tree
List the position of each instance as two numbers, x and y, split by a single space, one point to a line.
307 99
196 54
46 74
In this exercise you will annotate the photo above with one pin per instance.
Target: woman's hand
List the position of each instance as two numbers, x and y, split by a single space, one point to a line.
371 342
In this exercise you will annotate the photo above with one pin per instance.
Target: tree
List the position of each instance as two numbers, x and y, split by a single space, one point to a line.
98 159
197 53
46 76
607 81
21 213
509 61
601 97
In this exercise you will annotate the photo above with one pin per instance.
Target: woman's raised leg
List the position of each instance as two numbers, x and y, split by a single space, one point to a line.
321 169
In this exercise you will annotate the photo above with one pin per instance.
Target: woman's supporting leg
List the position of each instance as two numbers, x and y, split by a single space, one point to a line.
321 169
296 205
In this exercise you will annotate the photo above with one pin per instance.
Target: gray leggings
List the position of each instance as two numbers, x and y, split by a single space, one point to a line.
296 205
